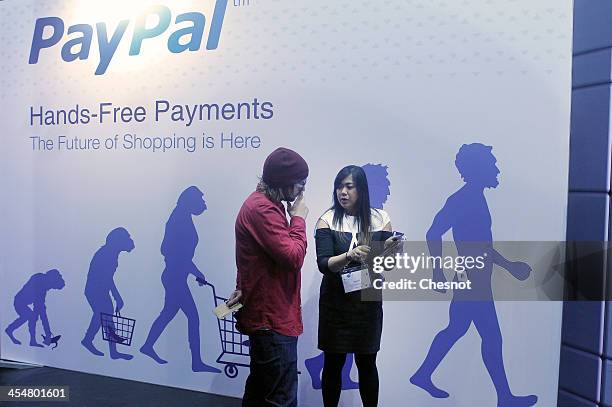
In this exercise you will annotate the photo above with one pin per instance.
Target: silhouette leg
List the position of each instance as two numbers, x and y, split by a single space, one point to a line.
97 307
25 315
488 327
459 322
92 330
314 366
115 354
113 339
105 306
168 312
193 330
347 382
13 326
32 328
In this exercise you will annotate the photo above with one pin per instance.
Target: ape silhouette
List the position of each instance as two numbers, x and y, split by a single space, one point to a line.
466 212
178 248
34 293
100 285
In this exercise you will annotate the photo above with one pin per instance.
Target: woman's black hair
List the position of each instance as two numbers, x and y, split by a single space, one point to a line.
363 212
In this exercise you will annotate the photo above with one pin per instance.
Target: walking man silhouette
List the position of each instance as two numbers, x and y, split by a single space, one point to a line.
466 212
178 248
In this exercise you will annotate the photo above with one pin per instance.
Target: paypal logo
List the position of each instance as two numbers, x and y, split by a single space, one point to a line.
79 37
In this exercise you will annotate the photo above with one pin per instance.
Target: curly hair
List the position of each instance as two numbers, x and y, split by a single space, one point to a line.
470 158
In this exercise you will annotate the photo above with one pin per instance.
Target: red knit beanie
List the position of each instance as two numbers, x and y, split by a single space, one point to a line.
283 168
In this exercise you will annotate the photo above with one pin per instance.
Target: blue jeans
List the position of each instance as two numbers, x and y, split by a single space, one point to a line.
273 377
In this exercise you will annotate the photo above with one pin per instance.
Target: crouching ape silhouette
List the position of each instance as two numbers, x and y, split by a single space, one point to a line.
30 306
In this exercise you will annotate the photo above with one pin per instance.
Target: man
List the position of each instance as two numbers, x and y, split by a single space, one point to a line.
34 293
178 248
269 255
467 213
100 285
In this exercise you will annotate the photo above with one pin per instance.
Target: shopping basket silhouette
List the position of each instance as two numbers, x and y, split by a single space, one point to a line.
234 345
117 329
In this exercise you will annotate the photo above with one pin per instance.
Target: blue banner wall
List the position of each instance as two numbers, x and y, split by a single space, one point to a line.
136 129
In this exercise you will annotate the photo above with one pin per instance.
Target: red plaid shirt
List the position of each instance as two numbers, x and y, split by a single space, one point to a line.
269 255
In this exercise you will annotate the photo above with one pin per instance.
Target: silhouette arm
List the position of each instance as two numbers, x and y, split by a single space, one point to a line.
116 296
41 311
197 273
45 323
519 270
500 260
441 224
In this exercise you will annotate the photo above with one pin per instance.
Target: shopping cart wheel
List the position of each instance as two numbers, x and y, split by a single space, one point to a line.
231 370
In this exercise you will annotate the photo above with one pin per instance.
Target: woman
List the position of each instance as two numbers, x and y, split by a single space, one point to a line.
344 238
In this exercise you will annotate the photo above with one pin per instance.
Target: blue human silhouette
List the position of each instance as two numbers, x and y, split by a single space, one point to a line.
178 248
29 303
100 285
467 214
378 186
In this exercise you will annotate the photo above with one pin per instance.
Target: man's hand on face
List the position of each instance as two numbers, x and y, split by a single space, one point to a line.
298 208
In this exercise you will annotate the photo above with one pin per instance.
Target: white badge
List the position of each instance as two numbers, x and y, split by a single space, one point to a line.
355 279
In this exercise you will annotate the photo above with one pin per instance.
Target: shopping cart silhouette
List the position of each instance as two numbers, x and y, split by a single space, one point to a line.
117 329
234 345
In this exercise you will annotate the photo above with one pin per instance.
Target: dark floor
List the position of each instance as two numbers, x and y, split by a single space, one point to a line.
87 390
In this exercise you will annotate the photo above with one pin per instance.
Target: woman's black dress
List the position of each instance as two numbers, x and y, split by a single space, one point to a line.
346 323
